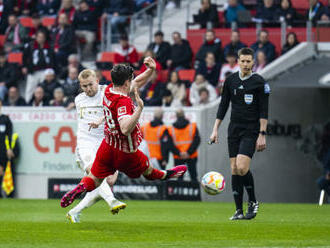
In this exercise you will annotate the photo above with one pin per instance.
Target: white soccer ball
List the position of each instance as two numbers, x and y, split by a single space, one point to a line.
213 183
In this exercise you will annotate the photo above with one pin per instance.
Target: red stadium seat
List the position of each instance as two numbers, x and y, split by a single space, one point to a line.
48 21
163 76
248 36
187 75
221 16
26 22
2 40
107 57
107 74
15 58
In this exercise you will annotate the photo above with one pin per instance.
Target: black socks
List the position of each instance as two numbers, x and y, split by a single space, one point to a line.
237 187
249 185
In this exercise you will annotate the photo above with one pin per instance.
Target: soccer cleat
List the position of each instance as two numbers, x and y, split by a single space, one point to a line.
116 206
252 211
176 171
238 215
70 196
72 217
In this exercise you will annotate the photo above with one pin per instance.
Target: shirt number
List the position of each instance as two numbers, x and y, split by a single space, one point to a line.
108 118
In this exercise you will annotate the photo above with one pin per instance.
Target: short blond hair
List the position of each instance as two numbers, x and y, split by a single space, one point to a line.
86 74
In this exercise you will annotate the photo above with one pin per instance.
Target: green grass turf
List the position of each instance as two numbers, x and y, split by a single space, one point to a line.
42 223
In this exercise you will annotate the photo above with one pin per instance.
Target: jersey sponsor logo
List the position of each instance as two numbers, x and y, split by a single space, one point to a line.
122 111
267 88
248 98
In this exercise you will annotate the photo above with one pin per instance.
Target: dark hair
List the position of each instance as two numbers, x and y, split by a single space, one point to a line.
246 51
120 73
201 90
179 82
3 54
167 92
159 33
295 38
231 54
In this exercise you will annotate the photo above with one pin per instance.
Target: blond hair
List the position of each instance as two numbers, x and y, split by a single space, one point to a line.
86 74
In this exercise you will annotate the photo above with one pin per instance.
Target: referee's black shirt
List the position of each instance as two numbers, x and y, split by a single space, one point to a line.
249 98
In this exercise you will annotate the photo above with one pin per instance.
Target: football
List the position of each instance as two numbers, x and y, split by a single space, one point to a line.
213 183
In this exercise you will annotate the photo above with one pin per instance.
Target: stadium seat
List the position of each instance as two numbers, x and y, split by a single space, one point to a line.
26 22
248 36
15 58
163 76
187 75
107 57
2 40
48 21
107 75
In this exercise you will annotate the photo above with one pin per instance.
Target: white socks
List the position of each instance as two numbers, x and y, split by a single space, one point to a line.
89 199
92 197
106 192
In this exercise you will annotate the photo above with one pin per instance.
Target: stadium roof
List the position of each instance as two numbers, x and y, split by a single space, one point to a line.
313 73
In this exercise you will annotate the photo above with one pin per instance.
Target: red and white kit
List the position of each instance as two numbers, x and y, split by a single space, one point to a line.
118 151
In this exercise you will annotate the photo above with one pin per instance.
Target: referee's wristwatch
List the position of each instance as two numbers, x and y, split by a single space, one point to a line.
263 132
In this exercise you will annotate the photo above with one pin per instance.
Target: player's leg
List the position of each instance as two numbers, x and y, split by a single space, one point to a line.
106 193
237 188
101 169
247 149
136 164
236 181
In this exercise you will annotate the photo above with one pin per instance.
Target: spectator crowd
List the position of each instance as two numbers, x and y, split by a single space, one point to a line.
52 54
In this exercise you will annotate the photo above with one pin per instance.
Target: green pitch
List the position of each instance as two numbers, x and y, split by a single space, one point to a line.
148 224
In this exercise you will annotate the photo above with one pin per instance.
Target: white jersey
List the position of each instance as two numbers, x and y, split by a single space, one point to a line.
89 109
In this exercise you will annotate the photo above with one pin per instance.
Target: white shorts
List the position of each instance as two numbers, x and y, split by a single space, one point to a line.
85 155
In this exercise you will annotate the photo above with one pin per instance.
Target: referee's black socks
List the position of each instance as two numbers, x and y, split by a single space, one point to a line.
237 187
249 185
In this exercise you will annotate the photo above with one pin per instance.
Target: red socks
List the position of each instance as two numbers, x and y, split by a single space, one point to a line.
155 174
88 183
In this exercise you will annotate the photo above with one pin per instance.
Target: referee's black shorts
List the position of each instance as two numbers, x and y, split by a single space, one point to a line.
242 138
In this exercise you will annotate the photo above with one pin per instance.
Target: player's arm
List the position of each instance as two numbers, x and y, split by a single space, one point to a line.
142 78
128 123
263 94
222 110
96 124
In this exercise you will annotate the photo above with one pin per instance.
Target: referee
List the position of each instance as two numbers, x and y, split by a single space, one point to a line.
248 93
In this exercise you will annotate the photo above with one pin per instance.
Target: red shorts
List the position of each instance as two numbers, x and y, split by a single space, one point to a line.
109 159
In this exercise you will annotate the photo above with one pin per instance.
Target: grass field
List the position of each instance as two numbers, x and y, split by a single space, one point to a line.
147 224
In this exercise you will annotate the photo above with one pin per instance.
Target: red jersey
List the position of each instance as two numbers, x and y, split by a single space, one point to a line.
117 106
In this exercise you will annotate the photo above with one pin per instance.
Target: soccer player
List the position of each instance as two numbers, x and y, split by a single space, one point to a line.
118 150
90 133
248 93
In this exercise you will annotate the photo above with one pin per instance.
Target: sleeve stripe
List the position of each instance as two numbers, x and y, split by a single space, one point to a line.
121 117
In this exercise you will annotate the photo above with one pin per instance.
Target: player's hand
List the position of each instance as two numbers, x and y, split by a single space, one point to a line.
150 63
93 125
214 138
261 143
138 99
10 154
